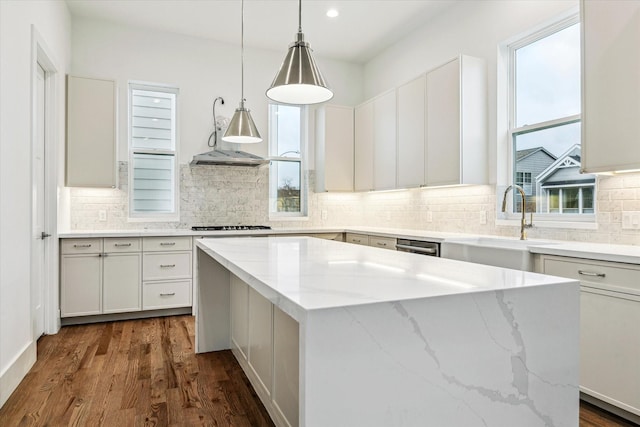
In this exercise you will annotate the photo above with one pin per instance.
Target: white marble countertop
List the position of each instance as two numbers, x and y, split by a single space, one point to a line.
301 273
598 251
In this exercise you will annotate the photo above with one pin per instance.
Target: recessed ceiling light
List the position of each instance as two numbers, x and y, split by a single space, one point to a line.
332 13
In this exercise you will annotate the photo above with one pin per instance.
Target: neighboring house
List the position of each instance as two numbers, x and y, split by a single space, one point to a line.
563 189
529 164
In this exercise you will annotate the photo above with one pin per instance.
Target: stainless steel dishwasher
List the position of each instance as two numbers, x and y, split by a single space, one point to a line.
419 247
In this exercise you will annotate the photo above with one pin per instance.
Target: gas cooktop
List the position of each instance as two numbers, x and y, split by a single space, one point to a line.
230 227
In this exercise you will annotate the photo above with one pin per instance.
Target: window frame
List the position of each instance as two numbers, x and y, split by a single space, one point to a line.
507 76
173 216
273 186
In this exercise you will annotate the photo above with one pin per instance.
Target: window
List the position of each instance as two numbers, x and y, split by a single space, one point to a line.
286 148
544 123
153 153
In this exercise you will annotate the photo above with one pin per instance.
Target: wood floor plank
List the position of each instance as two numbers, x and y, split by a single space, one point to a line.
145 373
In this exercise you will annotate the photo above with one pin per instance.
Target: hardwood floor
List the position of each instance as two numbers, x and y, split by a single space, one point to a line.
132 373
145 373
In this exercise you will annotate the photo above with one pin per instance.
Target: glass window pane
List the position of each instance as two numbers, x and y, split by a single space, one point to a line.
153 183
288 185
288 131
152 120
547 78
554 200
587 200
570 200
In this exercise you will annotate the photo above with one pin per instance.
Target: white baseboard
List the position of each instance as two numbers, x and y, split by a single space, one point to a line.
11 377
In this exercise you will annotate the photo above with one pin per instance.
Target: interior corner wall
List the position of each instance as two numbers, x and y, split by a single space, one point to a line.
474 28
202 69
51 19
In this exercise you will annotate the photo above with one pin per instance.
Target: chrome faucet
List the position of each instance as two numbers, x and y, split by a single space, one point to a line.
523 222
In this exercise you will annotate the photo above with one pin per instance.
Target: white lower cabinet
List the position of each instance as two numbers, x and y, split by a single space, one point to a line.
121 279
261 338
124 275
265 340
609 319
239 296
81 282
286 366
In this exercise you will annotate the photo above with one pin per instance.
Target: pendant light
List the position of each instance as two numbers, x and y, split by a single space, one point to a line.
299 80
242 129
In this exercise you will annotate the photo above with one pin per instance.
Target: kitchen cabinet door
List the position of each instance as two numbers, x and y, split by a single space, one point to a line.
286 365
457 123
261 339
384 141
80 285
610 85
334 148
91 133
363 147
610 348
411 133
239 315
122 282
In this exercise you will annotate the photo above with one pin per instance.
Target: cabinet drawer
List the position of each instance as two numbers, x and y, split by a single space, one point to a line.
174 265
382 242
358 239
158 295
160 244
81 246
112 244
600 274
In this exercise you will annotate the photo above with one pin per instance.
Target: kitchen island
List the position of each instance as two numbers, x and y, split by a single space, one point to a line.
332 334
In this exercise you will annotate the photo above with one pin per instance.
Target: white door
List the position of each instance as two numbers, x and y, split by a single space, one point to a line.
39 241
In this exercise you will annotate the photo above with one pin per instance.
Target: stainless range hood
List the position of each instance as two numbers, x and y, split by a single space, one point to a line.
228 158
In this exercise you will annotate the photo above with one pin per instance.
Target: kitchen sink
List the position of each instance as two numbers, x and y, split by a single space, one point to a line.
499 252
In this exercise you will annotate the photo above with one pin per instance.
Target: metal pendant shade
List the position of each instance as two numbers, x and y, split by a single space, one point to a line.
299 80
242 129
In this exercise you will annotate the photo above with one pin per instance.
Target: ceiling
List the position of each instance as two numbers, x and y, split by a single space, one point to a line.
362 29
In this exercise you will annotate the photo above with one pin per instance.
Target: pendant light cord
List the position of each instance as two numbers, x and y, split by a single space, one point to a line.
242 57
299 16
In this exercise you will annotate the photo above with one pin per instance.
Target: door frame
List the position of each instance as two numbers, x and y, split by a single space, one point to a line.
41 54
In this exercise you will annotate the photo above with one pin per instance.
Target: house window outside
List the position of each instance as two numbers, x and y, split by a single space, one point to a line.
287 195
545 128
153 146
570 200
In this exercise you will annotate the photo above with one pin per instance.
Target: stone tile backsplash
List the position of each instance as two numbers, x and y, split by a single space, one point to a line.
224 195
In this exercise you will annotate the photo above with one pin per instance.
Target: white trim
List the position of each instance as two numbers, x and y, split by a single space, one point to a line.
41 54
18 368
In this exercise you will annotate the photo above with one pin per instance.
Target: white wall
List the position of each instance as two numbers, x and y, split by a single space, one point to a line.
51 20
202 69
473 28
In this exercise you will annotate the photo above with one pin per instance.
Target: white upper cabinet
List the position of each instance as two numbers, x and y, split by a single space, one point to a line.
456 115
334 148
91 132
610 85
411 133
384 141
363 150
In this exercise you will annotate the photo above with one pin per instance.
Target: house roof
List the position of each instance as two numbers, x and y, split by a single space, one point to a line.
569 159
522 154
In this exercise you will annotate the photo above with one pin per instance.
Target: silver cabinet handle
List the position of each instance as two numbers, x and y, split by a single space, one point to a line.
82 246
167 294
357 241
122 244
44 235
167 265
591 273
381 244
417 249
167 243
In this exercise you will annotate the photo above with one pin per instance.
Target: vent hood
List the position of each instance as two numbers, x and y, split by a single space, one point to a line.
228 158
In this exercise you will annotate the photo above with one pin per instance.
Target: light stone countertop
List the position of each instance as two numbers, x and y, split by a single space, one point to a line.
317 274
598 251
